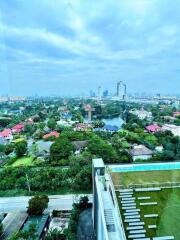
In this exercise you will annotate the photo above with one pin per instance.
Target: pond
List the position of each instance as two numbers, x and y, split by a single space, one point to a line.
117 121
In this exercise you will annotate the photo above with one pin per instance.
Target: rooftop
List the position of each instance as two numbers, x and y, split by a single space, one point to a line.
140 150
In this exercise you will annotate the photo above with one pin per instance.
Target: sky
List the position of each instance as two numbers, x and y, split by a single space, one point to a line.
68 47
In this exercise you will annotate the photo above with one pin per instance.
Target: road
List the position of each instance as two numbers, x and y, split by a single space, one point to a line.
59 202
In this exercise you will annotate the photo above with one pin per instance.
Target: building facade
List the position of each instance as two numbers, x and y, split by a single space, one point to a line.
107 220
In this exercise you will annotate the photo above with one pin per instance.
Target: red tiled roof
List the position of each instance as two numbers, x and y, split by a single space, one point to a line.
54 133
18 128
153 128
6 132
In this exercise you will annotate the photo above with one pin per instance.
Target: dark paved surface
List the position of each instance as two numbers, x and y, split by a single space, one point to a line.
85 226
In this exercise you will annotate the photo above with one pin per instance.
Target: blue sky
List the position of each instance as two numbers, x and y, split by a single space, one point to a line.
67 47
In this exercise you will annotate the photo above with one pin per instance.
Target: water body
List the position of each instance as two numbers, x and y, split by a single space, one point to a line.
116 121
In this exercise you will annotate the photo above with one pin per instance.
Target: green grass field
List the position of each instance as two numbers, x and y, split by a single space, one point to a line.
143 177
23 161
168 211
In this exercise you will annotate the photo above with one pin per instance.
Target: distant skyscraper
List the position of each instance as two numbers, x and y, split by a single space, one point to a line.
105 93
121 90
92 93
99 93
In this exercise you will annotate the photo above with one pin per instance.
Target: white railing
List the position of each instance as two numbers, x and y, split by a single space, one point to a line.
100 201
117 207
148 185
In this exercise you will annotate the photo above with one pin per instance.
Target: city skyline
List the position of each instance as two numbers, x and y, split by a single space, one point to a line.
66 48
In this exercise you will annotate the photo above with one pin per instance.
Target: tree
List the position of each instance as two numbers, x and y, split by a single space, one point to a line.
51 123
61 149
75 213
29 234
29 129
101 148
55 234
41 126
2 148
1 229
37 205
98 124
9 148
20 148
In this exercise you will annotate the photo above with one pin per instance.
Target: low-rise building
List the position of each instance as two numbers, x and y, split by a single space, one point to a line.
43 148
79 146
107 221
153 128
142 114
175 130
140 152
18 128
7 134
83 127
51 134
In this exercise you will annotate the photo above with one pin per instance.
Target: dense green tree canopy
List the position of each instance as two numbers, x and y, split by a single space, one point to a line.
37 205
62 148
20 148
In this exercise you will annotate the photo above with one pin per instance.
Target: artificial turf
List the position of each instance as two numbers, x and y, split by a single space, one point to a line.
167 208
145 177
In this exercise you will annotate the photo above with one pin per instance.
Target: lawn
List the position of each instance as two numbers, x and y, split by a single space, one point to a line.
143 177
168 210
23 161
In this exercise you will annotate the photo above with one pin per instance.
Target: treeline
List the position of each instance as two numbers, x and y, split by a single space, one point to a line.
50 179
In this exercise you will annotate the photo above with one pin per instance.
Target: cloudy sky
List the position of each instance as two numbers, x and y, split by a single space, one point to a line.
68 47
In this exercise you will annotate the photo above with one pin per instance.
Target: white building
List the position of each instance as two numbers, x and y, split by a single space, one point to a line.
106 216
142 114
140 152
121 90
172 128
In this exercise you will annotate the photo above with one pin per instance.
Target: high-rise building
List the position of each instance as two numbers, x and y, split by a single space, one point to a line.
105 93
121 90
92 93
127 209
107 221
99 93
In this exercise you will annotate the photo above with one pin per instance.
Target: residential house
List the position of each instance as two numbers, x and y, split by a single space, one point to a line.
169 118
79 146
67 116
175 130
107 128
83 127
159 149
142 114
110 128
153 128
7 134
140 152
18 128
51 134
43 148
